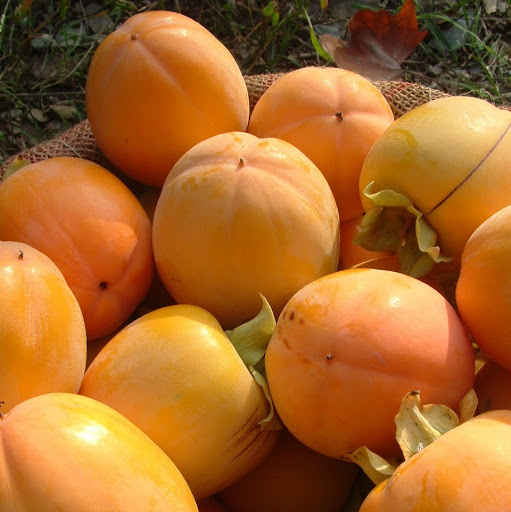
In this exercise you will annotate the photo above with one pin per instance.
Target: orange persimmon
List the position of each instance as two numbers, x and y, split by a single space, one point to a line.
201 404
334 116
433 177
158 85
348 346
483 290
66 452
42 331
467 469
91 226
238 216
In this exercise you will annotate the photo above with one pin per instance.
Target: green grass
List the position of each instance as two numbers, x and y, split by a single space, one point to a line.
46 47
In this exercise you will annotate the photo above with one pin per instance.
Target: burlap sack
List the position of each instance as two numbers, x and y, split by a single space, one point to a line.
79 141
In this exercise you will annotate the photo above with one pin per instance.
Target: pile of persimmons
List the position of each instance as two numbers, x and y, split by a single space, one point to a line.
300 307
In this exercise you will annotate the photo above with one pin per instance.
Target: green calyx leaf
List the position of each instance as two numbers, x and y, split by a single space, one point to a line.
395 225
250 340
375 467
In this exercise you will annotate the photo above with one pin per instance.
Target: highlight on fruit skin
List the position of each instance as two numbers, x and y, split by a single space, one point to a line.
201 404
66 452
158 85
42 331
483 289
349 345
433 177
91 226
240 216
331 114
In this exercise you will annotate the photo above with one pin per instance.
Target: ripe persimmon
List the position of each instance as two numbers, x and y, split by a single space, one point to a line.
66 452
239 216
433 177
201 404
349 346
467 469
158 85
483 290
331 114
88 222
42 331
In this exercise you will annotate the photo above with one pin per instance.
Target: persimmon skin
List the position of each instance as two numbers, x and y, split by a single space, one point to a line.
483 290
450 157
239 216
91 226
349 346
331 114
201 404
293 477
467 469
158 85
66 452
42 330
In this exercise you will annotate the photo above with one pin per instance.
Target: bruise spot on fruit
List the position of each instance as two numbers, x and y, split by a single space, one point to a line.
103 285
471 173
284 314
302 321
292 315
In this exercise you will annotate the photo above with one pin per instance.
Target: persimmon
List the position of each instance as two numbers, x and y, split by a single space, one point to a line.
348 346
238 216
66 452
331 114
433 177
351 254
42 331
91 226
156 86
201 404
484 286
293 477
467 468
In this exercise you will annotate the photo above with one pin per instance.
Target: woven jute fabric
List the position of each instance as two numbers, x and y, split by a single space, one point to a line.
79 141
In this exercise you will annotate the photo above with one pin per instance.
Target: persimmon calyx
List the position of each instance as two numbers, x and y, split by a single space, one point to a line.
417 426
375 467
251 338
395 225
272 421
